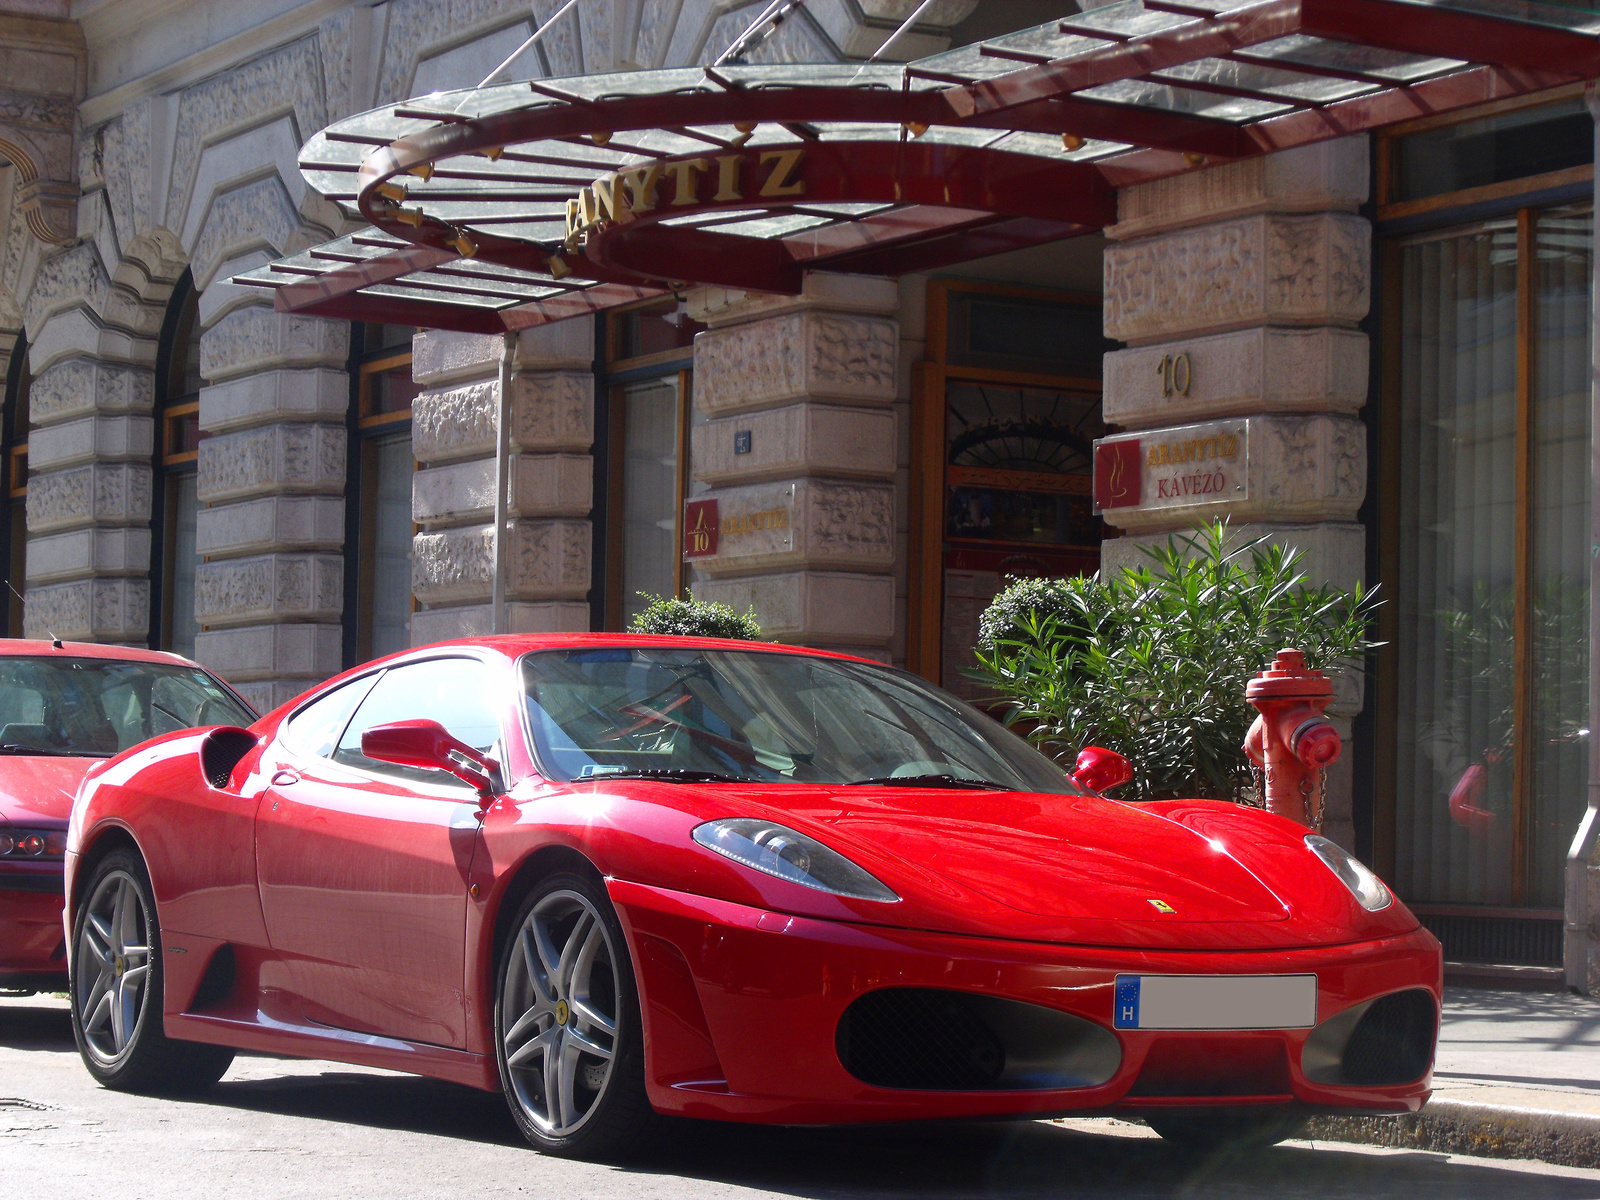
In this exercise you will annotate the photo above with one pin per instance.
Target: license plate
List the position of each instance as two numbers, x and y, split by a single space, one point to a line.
1215 1002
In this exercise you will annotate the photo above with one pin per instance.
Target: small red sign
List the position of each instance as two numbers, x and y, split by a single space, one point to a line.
1118 474
700 525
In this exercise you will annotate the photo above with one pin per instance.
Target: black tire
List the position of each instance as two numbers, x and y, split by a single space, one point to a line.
123 1044
1225 1130
604 1121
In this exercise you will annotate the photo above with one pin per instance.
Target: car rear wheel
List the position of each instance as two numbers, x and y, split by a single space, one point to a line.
116 986
1205 1130
566 1021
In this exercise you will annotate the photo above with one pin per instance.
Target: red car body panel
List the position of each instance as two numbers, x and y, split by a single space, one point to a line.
361 915
37 793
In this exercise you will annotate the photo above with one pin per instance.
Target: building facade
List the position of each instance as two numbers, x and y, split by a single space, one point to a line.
1392 331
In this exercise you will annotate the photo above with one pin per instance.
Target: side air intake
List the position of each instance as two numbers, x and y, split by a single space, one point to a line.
221 751
1382 1043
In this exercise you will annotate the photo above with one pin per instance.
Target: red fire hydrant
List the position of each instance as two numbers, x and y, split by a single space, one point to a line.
1292 739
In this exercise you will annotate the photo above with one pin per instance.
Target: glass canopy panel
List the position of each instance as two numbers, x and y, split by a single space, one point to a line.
705 218
865 132
1317 89
1393 65
854 209
1048 145
399 291
774 227
1146 93
479 210
1132 19
488 288
1576 15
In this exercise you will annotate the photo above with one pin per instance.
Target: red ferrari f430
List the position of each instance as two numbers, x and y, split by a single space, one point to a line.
616 877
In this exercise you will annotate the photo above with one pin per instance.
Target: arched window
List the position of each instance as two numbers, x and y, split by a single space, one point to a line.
378 527
14 482
176 502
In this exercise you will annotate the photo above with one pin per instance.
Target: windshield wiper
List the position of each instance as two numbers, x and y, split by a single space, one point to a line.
667 775
932 781
42 752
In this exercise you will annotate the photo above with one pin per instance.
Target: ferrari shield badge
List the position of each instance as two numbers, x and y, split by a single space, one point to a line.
1161 906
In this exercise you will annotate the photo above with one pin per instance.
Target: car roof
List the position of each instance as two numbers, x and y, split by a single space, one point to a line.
42 648
513 645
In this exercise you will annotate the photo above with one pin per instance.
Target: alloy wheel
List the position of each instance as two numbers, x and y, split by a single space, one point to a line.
560 1006
113 966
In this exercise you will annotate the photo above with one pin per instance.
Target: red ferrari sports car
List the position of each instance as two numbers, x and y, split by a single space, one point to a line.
624 876
64 706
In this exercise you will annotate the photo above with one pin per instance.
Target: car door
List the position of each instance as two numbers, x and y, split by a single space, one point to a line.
363 865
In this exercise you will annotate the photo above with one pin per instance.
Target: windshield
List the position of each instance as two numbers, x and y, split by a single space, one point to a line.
101 706
765 717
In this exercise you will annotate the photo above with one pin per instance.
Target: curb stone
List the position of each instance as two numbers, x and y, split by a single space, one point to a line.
1485 1130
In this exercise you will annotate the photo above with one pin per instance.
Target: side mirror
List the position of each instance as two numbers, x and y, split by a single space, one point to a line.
1100 770
430 745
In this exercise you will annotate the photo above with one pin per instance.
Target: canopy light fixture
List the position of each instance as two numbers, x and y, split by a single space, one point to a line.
408 216
423 171
393 191
916 128
1071 141
557 266
464 245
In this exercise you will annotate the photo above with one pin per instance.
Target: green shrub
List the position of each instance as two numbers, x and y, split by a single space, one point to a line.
695 618
1152 662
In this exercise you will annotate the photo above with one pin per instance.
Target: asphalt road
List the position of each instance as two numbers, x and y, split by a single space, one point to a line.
278 1128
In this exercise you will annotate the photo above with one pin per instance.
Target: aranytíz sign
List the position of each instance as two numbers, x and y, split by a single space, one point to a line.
686 183
1181 467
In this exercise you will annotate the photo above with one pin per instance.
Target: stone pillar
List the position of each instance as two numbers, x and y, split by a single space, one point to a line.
550 479
798 445
269 588
1239 290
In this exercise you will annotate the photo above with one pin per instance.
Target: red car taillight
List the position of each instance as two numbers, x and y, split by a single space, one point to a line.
32 843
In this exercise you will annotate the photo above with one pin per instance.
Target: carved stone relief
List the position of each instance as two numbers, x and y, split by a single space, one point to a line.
91 610
102 494
550 410
256 339
271 587
288 458
793 356
73 387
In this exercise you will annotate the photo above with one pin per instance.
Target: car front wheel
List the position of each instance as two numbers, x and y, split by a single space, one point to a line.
116 982
567 1028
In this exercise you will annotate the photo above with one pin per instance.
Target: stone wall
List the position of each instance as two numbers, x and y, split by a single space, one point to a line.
1256 275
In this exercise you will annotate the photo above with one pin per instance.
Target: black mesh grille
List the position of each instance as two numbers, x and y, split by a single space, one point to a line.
1393 1041
920 1038
1509 941
221 752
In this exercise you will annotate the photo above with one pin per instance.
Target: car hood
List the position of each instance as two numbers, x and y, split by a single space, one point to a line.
40 789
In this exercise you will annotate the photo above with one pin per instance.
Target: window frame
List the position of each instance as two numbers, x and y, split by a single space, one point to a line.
168 465
1525 199
14 464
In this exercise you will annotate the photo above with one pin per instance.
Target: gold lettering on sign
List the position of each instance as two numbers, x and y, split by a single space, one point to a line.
780 181
685 173
1223 445
641 185
1177 374
772 518
728 178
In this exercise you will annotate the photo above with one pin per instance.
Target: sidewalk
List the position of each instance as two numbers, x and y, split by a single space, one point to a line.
1518 1076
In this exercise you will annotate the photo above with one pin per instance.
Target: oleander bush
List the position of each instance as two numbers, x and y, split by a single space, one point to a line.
1152 662
695 618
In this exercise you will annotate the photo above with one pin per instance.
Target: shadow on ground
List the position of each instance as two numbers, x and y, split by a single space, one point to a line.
35 1024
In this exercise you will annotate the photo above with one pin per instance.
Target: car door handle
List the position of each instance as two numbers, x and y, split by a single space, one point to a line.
285 777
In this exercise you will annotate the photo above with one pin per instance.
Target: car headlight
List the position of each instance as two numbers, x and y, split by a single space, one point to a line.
781 852
1370 891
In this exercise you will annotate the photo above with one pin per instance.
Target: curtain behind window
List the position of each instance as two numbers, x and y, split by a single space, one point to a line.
185 504
391 546
649 492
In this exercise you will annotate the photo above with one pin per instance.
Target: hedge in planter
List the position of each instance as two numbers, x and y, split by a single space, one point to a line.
1152 662
695 618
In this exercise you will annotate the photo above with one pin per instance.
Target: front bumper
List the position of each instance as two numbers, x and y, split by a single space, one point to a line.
741 1009
32 947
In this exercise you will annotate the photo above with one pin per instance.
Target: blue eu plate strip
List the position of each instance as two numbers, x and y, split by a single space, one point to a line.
1126 1013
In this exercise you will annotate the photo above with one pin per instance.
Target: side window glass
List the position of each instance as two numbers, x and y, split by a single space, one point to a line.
456 692
315 729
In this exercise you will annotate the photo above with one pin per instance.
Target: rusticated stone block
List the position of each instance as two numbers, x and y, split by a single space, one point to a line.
1323 175
1295 468
74 387
83 552
545 560
539 485
314 395
90 610
271 523
268 652
441 356
812 606
801 439
100 494
550 411
255 338
272 587
1267 269
1266 369
801 355
293 458
477 620
720 307
808 523
88 439
1335 552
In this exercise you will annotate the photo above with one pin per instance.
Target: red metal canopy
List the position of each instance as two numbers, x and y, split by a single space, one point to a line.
498 208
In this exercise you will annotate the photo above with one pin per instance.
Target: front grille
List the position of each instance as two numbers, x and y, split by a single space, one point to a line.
1393 1041
1507 941
1214 1066
919 1038
931 1039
